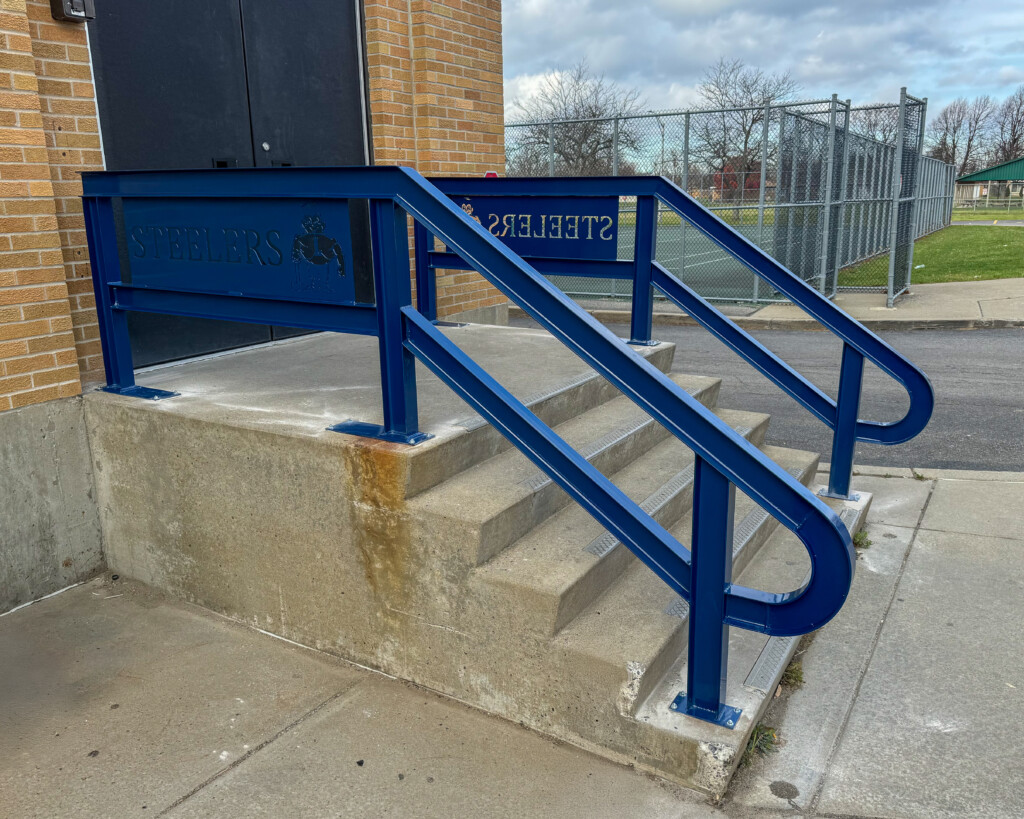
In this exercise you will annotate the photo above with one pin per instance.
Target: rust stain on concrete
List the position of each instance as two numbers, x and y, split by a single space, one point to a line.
377 471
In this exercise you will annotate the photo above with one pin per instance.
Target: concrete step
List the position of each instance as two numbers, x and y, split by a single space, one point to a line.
638 627
470 440
498 501
551 574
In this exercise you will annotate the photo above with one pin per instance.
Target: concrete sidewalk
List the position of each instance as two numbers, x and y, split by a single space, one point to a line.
117 701
956 306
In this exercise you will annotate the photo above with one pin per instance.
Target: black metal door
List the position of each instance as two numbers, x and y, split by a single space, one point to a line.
306 98
206 83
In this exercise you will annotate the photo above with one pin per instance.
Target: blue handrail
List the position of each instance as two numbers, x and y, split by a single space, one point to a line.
858 341
723 459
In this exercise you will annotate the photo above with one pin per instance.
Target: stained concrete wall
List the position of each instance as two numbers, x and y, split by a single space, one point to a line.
49 523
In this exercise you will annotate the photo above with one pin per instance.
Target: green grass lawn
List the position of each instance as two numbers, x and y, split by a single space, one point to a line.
983 214
955 254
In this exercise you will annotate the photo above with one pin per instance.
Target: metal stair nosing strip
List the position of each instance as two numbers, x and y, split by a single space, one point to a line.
532 400
540 480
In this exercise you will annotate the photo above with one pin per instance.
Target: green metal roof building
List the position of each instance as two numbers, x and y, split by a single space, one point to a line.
999 186
1012 171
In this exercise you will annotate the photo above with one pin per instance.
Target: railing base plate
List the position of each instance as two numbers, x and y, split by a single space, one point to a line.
365 430
727 716
651 343
853 496
146 393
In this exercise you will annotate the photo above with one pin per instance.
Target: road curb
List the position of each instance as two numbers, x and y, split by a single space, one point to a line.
806 324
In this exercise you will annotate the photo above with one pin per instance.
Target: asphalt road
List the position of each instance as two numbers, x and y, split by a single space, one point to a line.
978 376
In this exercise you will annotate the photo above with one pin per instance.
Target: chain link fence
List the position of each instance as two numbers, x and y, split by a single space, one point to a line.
815 184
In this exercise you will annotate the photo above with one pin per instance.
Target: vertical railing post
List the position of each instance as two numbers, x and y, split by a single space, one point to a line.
710 571
897 185
844 436
102 238
426 282
642 315
389 234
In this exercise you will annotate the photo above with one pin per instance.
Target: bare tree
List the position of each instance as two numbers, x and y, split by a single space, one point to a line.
1009 128
729 140
959 133
582 105
878 123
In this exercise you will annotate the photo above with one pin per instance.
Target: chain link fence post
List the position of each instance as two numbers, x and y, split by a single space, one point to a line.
897 188
916 193
685 178
551 149
762 183
826 234
615 147
842 229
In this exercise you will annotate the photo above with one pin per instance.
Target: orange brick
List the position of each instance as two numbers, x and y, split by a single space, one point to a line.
35 396
29 364
47 377
15 383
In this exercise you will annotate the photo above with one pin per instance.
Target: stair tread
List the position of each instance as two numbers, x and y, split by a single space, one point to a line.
481 492
648 608
552 557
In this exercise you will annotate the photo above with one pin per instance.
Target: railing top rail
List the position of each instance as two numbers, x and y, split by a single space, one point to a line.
355 182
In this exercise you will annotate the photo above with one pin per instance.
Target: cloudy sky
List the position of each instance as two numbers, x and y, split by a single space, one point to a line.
861 49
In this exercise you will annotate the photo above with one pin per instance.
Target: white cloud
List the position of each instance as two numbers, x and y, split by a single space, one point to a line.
1010 74
865 50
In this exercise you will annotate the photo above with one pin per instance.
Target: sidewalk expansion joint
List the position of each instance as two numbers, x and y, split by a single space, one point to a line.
819 789
256 749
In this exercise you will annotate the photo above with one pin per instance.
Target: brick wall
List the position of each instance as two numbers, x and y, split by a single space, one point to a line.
436 103
67 101
38 361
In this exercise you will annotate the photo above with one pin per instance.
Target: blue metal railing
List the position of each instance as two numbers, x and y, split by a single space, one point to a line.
840 415
723 459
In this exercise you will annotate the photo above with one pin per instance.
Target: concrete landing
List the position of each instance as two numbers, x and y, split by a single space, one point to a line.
118 702
303 385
